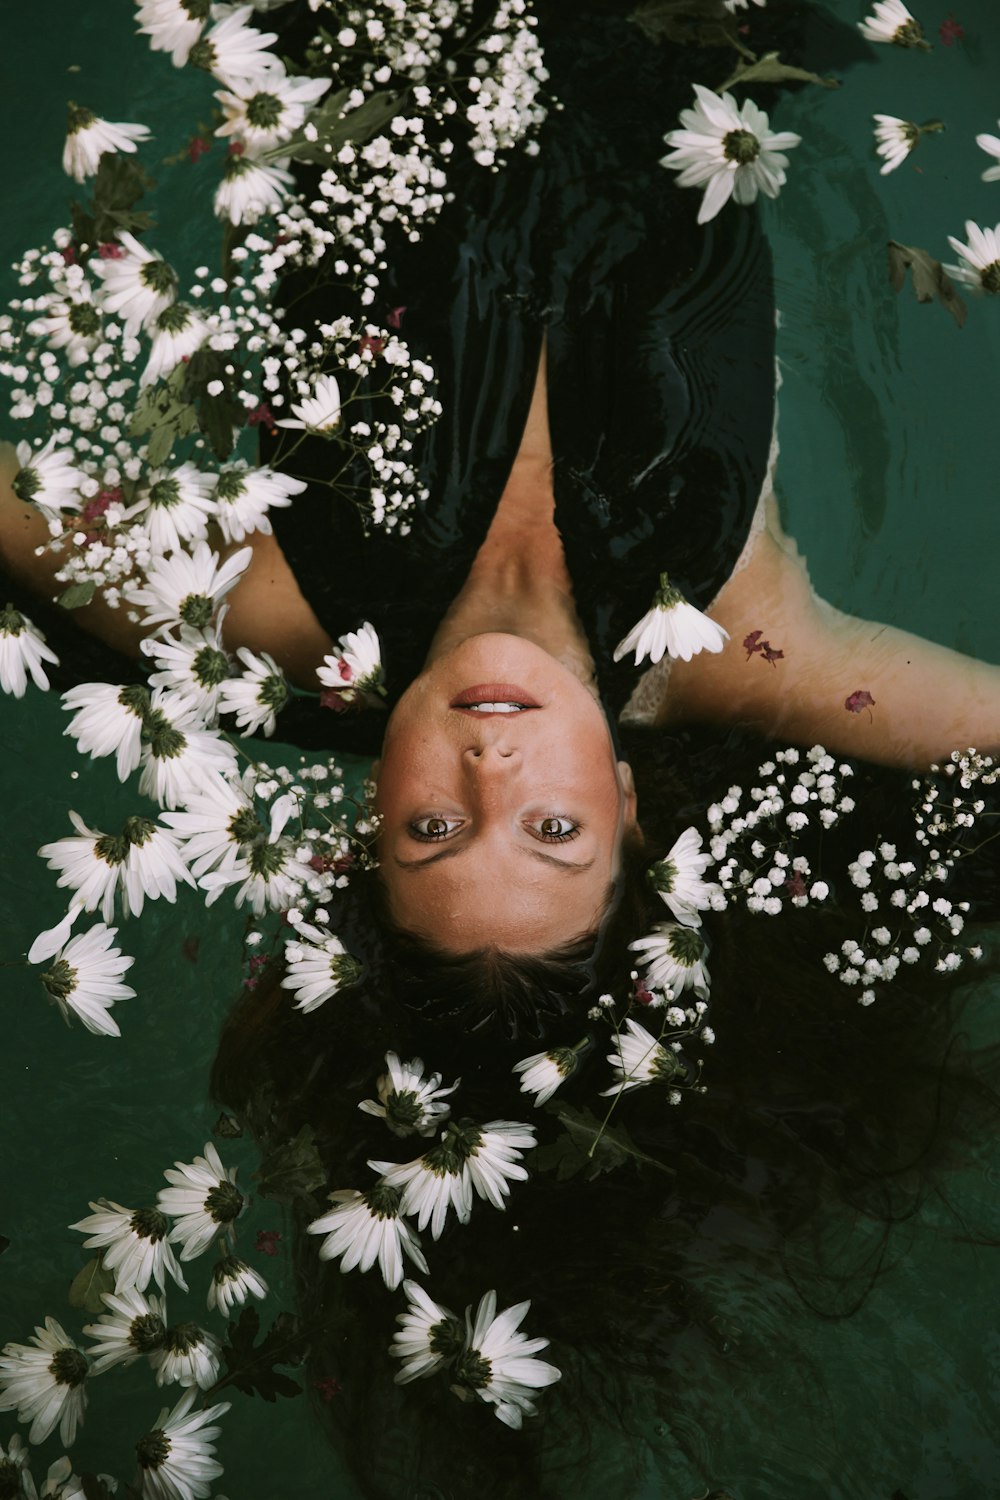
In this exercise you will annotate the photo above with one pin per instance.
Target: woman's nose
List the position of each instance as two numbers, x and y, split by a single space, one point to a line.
485 760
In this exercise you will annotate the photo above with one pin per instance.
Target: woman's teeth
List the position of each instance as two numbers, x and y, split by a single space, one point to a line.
495 708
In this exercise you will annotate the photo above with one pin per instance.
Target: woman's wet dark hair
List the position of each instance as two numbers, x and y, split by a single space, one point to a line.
691 1260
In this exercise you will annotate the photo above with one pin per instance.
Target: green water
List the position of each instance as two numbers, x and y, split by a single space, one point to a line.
887 479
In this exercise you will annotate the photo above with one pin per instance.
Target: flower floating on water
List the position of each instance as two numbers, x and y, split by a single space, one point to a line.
203 1198
188 587
897 138
990 144
107 720
266 117
734 5
544 1072
728 149
133 1244
188 1355
47 477
250 189
498 1365
45 1384
134 1325
678 878
142 860
318 966
409 1103
892 22
318 413
365 1227
172 26
243 497
671 625
982 257
85 978
22 651
236 54
674 958
639 1058
233 1281
256 697
88 138
176 1457
429 1336
191 666
348 674
178 332
73 324
138 284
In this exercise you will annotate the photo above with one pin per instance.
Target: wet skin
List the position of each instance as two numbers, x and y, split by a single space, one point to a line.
522 814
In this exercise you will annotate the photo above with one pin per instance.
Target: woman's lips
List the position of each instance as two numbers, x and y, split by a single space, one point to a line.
494 692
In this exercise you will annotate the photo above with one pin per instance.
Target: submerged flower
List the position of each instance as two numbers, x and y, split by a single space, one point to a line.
318 965
176 1457
639 1058
243 497
991 145
138 285
365 1227
22 652
250 189
133 1244
674 958
728 149
429 1336
133 1326
678 878
203 1198
48 477
233 1281
45 1384
671 625
498 1364
543 1072
896 139
257 696
88 138
356 668
187 1354
318 413
85 978
981 256
892 22
409 1103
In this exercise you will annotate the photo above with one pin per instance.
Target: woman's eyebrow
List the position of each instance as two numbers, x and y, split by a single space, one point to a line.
574 867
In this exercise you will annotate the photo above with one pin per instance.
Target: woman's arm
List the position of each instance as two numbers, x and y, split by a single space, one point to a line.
926 699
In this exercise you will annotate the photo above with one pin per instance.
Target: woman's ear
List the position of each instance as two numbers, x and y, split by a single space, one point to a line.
630 822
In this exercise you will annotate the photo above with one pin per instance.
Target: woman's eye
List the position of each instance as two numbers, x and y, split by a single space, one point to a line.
555 830
434 827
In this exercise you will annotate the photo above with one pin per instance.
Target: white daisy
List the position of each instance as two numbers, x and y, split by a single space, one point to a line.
674 958
639 1058
271 872
318 413
15 1479
22 651
173 25
671 625
429 1335
318 965
178 331
137 285
257 696
188 587
180 755
734 5
85 978
174 506
188 1355
141 861
365 1227
409 1103
191 666
107 720
133 1326
236 54
45 1384
48 478
217 826
243 497
203 1198
88 138
981 256
678 878
498 1364
543 1072
892 22
262 119
494 1151
896 139
233 1281
72 324
728 149
176 1457
133 1243
991 145
250 189
433 1183
357 667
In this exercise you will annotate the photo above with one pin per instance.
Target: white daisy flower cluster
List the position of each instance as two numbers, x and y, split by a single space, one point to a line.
47 1380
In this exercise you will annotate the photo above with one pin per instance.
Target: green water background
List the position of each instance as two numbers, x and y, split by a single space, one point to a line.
887 479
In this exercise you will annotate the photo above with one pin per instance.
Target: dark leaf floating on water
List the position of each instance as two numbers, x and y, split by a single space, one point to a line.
705 22
587 1144
930 280
4 1243
770 69
250 1366
88 1285
94 1487
227 1128
293 1170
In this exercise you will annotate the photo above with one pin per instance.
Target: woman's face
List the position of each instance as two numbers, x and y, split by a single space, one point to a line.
500 828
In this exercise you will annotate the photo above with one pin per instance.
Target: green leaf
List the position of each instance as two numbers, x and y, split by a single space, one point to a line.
166 413
77 595
94 1487
227 1127
930 280
335 129
292 1170
250 1366
88 1284
118 185
219 417
770 69
588 1145
704 23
